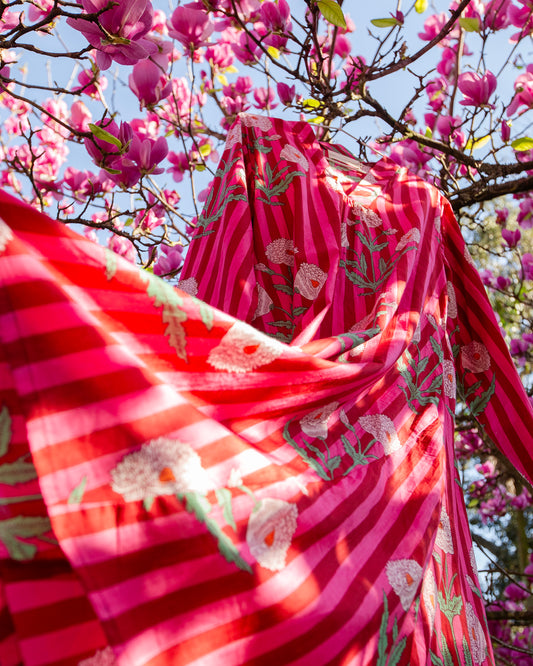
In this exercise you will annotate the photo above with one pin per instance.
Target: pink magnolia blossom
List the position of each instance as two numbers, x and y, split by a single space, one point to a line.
80 116
523 92
286 93
432 26
220 55
505 131
169 260
496 14
149 83
124 26
446 65
476 88
511 237
145 154
276 16
527 266
436 90
104 153
408 153
123 247
521 17
191 26
264 99
353 69
81 183
343 47
91 83
180 165
525 214
245 50
9 20
38 9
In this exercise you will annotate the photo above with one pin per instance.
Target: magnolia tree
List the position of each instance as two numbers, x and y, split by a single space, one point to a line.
114 112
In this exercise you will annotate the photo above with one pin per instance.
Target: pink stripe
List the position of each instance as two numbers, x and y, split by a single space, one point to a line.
28 595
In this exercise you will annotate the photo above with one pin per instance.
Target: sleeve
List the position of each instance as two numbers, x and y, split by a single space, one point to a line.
487 379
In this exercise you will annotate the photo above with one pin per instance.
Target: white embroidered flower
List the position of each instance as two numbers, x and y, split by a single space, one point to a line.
309 280
281 251
315 424
5 235
468 257
448 372
417 335
452 301
243 348
368 216
478 644
161 467
475 357
437 223
404 577
344 235
270 531
234 137
264 302
235 478
473 563
189 286
430 595
363 324
292 154
104 657
444 538
412 236
261 122
382 428
240 176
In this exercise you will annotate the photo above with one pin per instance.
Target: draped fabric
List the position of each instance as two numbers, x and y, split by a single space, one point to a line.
256 468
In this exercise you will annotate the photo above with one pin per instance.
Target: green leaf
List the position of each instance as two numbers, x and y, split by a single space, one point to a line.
76 495
474 144
385 22
299 311
435 660
147 502
205 150
523 144
397 651
383 642
469 24
284 288
103 135
421 6
223 496
207 315
332 12
311 103
467 653
19 471
25 527
479 405
5 430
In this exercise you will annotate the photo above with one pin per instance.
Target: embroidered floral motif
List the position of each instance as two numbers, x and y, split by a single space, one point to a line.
315 424
261 122
104 657
448 371
430 595
235 478
437 223
452 301
292 154
412 236
444 538
309 280
270 531
189 286
368 216
161 467
243 349
234 136
382 428
468 257
5 235
264 302
473 563
478 644
475 357
344 235
281 251
404 577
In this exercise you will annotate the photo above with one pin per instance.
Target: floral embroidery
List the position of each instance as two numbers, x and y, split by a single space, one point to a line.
473 561
368 216
261 122
235 478
448 371
315 424
412 236
475 357
292 154
344 235
243 349
189 286
270 531
452 301
404 577
162 467
430 595
444 538
382 428
437 223
5 235
104 657
363 324
281 251
264 302
468 257
478 644
234 136
309 280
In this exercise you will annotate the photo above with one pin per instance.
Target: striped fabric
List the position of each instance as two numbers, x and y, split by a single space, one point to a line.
267 479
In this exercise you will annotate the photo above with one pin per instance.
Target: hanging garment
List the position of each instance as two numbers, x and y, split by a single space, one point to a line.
267 479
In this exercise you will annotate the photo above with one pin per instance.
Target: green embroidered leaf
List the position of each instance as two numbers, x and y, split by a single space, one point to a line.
333 463
200 506
5 430
467 653
448 660
104 135
207 314
284 288
479 404
437 348
314 464
148 502
396 652
435 384
332 12
299 311
450 607
383 641
19 471
164 295
382 265
25 527
223 496
422 365
435 660
363 264
455 350
110 264
395 628
76 495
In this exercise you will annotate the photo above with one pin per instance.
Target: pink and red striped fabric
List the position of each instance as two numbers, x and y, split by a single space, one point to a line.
267 479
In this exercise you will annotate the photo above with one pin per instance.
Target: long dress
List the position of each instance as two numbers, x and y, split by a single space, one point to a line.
257 468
